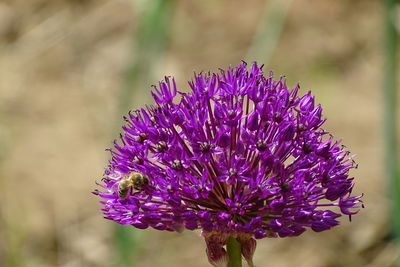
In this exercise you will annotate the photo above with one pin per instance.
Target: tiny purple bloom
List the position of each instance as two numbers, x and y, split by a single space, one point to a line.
240 155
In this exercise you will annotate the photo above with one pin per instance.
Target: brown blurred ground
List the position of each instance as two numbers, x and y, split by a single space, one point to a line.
61 68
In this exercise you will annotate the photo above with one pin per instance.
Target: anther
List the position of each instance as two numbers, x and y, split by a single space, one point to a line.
141 138
137 160
261 145
232 172
278 117
205 147
285 187
301 128
307 149
177 165
161 146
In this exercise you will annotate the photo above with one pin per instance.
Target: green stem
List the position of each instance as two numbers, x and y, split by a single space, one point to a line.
390 96
234 253
150 39
268 31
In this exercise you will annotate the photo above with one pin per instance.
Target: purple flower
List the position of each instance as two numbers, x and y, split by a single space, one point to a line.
240 155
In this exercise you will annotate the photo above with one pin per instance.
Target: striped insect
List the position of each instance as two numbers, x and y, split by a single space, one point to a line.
134 180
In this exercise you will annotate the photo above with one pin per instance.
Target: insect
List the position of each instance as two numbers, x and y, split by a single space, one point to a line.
134 180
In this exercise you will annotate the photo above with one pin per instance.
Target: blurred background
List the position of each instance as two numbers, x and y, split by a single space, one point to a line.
69 70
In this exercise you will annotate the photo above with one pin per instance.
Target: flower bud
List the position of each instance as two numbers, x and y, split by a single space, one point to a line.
216 252
248 247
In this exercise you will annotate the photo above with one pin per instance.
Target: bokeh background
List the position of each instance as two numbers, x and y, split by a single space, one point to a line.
69 70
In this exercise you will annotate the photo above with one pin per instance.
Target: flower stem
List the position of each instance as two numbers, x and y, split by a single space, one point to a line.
390 112
234 253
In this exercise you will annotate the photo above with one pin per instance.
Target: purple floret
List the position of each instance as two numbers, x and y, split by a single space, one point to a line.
239 154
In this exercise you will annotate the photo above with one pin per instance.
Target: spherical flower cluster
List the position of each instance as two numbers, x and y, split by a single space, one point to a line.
241 154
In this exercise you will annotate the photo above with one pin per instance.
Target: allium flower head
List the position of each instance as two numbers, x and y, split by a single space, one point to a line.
240 155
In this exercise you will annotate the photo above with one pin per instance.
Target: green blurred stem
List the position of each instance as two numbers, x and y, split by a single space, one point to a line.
149 42
126 242
268 31
391 158
234 252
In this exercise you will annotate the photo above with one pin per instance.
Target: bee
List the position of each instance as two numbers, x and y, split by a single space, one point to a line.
134 180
